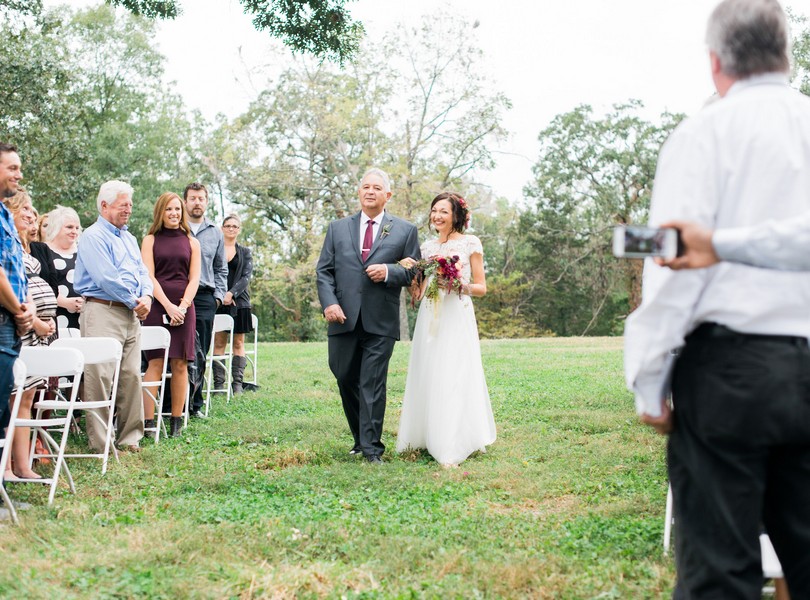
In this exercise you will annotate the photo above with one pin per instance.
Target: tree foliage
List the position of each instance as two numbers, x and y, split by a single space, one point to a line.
84 101
592 173
427 119
321 27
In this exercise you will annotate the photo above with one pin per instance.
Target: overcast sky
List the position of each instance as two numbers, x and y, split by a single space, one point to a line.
547 56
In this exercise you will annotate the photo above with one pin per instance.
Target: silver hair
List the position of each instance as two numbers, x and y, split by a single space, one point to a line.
110 191
57 219
749 37
379 173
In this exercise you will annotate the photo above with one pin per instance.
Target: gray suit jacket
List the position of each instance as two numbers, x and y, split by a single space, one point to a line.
342 279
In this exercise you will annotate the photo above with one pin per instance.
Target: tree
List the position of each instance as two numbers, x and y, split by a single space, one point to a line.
321 27
297 154
592 173
83 99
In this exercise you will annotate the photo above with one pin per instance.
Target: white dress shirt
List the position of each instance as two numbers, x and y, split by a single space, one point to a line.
739 162
364 219
781 245
375 229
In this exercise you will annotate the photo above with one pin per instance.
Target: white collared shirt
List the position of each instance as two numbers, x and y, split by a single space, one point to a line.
364 219
739 162
773 244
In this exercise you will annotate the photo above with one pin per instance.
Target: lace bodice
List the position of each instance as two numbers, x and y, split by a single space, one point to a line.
464 247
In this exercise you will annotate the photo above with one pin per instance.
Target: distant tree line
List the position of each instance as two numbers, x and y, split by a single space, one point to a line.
84 98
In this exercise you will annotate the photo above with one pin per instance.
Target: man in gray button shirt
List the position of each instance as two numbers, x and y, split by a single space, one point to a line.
213 279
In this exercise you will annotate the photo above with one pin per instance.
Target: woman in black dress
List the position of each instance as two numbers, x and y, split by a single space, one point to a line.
236 303
172 256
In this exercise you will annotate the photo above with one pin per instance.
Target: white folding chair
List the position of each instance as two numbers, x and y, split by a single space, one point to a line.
69 332
5 444
95 350
221 323
62 322
252 352
156 338
53 362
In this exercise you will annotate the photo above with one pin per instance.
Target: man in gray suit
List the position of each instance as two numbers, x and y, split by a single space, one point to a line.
359 283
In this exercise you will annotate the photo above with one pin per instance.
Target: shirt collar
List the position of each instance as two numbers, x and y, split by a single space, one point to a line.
774 78
110 227
364 218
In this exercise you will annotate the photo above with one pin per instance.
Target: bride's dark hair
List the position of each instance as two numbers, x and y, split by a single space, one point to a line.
461 213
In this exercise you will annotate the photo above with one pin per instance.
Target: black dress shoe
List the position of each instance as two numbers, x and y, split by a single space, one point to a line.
374 459
355 450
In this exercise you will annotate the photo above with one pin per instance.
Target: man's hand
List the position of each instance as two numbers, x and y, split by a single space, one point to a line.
377 273
662 424
334 314
228 299
25 318
698 251
143 307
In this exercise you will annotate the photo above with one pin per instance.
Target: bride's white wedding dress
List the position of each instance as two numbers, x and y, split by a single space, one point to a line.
446 406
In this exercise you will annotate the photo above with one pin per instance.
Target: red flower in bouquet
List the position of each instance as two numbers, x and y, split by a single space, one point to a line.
444 273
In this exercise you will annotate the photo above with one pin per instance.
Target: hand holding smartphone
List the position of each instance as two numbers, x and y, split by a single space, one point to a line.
630 241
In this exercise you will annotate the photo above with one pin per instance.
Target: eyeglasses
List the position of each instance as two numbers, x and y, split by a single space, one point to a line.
230 227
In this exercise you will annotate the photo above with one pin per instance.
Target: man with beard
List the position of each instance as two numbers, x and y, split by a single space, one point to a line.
16 312
213 281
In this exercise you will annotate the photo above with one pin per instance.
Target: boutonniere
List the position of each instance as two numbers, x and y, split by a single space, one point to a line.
386 230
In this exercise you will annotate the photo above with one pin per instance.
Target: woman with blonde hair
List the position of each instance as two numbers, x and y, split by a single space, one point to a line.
236 304
172 257
41 334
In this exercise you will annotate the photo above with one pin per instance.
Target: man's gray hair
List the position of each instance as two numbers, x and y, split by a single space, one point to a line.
57 219
110 191
749 37
379 173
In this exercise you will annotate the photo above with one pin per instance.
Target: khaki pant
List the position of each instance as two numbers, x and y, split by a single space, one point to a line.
99 320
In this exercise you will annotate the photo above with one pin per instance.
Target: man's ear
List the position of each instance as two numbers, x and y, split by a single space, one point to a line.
714 61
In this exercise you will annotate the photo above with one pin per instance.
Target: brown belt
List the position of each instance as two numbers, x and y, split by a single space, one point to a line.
107 302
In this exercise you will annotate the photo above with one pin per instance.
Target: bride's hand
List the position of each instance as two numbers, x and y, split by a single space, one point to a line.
407 262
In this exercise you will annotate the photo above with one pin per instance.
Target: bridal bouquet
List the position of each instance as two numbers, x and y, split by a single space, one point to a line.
444 272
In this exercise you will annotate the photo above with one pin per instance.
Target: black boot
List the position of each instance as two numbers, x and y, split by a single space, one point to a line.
219 375
147 425
238 373
176 425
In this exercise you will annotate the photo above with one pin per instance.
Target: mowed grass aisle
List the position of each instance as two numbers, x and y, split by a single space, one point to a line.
263 500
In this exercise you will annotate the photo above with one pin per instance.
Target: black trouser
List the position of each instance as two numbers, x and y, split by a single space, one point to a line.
205 307
359 362
739 457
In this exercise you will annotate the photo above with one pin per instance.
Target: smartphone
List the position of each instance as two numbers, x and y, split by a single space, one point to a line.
166 320
630 241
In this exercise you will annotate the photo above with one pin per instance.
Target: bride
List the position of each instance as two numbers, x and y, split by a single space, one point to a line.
446 405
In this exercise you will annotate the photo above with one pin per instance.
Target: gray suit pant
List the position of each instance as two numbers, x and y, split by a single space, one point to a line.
359 362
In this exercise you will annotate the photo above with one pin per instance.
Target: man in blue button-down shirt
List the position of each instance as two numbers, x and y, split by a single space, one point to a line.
117 291
16 313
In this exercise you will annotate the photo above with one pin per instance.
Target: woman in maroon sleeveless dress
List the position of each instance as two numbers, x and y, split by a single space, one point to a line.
172 256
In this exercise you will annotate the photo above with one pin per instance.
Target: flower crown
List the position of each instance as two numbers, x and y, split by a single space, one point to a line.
463 204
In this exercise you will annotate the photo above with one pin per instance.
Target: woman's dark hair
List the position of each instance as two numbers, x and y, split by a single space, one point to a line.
461 213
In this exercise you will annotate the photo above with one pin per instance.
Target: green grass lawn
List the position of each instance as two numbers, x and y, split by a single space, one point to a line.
263 501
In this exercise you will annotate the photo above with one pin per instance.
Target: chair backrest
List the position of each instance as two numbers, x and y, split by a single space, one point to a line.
62 322
94 349
52 362
69 332
223 323
20 373
254 320
155 338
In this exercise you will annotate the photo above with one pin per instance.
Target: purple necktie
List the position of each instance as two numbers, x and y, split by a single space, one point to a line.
368 240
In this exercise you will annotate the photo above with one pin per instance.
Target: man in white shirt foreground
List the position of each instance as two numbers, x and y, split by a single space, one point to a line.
739 446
